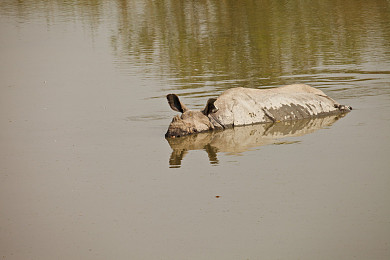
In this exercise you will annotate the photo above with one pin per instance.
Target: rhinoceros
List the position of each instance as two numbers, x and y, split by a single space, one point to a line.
245 106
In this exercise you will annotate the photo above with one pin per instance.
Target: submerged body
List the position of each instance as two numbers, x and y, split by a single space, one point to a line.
246 106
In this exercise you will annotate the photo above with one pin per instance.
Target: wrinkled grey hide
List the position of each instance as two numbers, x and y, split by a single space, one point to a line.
246 106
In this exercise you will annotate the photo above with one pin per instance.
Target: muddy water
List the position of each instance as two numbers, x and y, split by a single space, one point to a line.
85 170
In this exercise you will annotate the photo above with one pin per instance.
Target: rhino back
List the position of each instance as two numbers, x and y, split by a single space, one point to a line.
244 106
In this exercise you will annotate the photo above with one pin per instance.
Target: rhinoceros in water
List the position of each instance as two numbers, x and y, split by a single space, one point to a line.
246 106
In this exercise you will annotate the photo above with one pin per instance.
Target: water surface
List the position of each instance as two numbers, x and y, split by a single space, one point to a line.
85 170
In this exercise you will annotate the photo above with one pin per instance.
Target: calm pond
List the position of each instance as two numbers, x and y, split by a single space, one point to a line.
85 170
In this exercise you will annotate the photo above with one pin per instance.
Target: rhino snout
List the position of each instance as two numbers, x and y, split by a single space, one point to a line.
177 128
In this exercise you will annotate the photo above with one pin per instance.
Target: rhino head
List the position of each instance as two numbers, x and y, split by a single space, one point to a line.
190 121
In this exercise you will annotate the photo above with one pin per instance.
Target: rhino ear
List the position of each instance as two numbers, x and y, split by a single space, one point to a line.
210 107
174 102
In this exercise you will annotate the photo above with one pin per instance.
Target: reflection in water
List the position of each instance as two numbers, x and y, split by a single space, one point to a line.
215 45
236 140
220 44
54 12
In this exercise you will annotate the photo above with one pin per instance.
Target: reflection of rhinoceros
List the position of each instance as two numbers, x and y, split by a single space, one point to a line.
246 106
240 139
